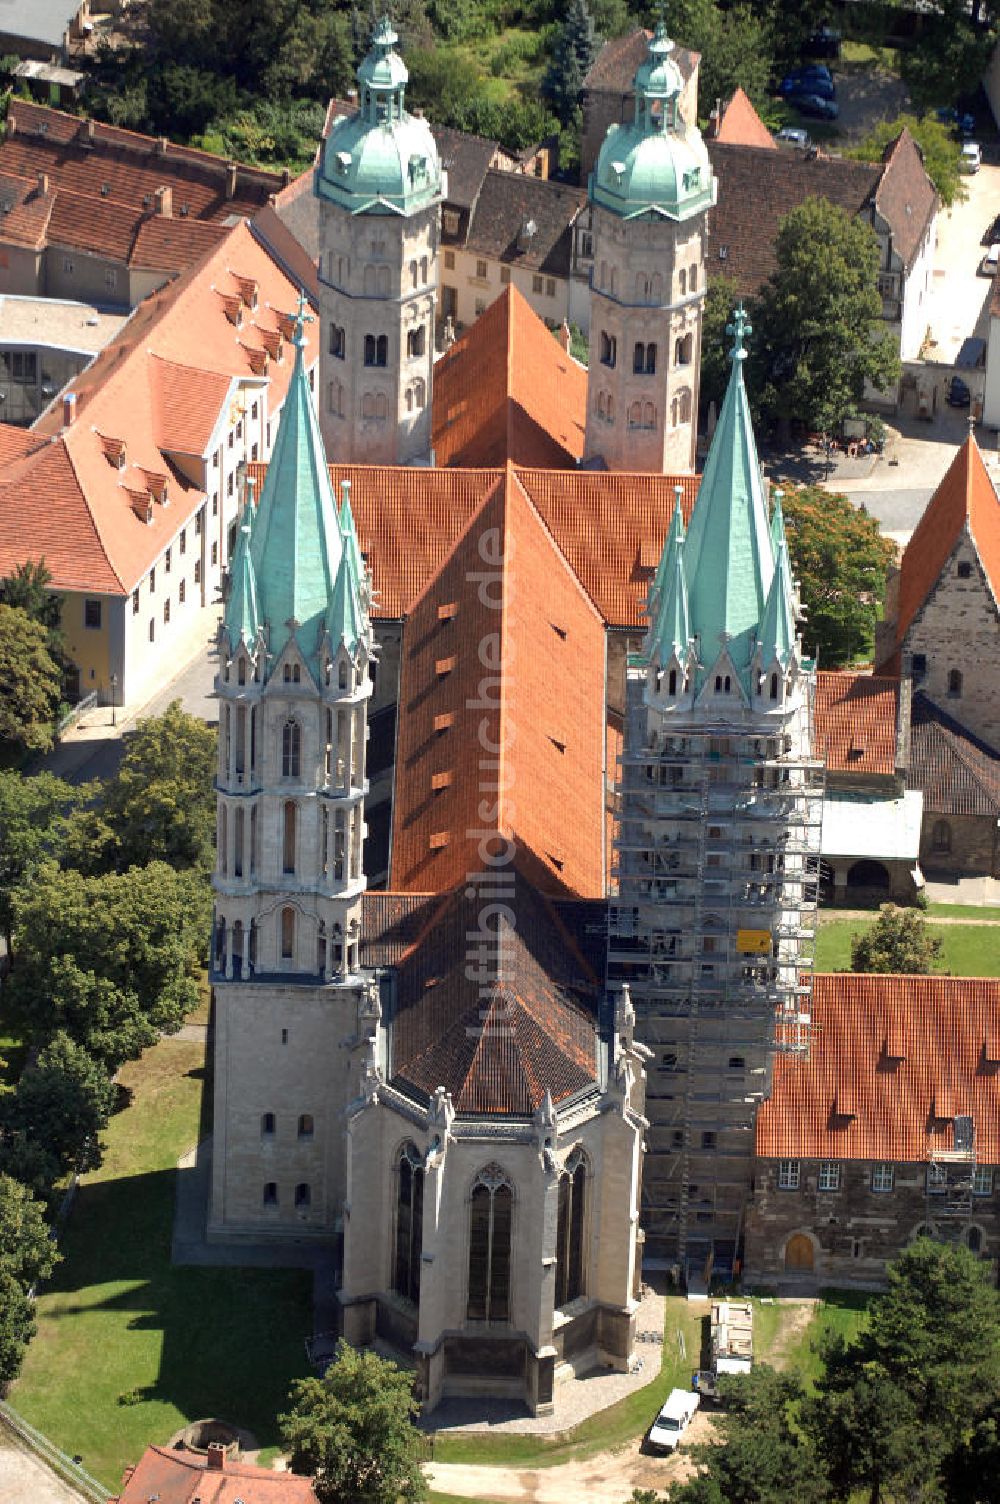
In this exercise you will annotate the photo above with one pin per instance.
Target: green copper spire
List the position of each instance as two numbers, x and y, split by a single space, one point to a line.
349 532
728 552
672 628
777 523
664 569
296 543
346 620
242 618
777 629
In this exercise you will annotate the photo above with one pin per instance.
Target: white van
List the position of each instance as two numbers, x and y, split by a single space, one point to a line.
673 1420
991 261
971 159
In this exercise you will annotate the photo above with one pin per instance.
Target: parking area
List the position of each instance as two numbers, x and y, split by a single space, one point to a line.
958 305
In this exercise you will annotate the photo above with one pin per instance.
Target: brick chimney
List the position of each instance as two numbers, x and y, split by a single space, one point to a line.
164 202
216 1462
565 338
161 146
43 183
69 408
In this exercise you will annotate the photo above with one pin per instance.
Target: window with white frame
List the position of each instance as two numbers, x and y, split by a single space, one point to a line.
883 1175
788 1174
982 1180
829 1175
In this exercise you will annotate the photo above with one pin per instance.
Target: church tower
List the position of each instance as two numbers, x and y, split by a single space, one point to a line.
650 193
720 812
379 185
293 687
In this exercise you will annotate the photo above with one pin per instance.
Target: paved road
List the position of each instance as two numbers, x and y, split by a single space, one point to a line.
24 1478
896 512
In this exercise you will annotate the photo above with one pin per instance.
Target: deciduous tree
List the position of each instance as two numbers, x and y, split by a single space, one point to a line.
33 815
161 802
840 560
939 147
61 1103
898 942
27 1255
30 682
353 1432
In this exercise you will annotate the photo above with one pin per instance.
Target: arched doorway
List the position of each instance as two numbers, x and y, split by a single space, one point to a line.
799 1253
870 875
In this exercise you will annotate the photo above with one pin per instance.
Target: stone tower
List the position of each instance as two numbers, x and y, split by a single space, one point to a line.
292 1012
650 193
379 186
718 850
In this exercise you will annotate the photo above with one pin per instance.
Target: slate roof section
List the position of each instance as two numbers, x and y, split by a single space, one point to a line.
742 126
964 501
392 923
893 1060
509 201
757 188
177 1477
466 159
957 774
508 390
854 722
615 66
497 1043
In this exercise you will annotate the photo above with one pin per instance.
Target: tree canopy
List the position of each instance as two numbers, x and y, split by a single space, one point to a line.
61 1103
352 1432
736 49
30 682
818 330
574 50
898 942
950 50
940 149
33 820
27 1255
840 560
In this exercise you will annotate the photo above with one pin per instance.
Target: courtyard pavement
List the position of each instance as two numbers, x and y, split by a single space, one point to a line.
24 1477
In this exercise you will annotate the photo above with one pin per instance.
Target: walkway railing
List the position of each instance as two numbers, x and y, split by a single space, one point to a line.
69 1471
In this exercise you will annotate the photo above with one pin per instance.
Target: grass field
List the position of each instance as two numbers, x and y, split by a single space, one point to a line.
130 1349
839 1311
967 950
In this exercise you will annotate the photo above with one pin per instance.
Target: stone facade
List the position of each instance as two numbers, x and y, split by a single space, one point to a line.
967 845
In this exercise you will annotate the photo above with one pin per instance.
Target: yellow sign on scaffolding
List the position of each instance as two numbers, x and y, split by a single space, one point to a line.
753 942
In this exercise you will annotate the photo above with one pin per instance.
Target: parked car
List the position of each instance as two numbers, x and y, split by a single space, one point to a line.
812 104
991 261
961 120
958 393
795 135
972 158
825 42
673 1420
806 80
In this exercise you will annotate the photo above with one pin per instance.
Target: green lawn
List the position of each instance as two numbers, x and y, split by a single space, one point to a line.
129 1349
840 1311
964 911
967 950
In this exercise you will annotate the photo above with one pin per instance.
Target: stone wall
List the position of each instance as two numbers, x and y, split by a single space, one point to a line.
966 844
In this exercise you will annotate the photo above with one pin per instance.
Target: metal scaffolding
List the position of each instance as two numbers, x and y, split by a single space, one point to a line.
951 1181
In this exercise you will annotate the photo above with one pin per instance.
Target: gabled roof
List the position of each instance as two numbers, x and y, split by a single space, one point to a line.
892 1061
964 499
497 1046
510 201
742 126
509 665
14 442
906 198
854 722
614 68
508 390
466 159
178 1477
156 391
957 774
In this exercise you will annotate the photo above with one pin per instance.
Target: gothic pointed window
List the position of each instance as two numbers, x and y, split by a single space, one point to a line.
491 1208
774 686
291 750
672 682
287 934
288 836
570 1229
409 1224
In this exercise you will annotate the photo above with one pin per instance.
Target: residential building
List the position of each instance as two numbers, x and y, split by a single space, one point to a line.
888 1128
91 211
941 614
649 193
175 1475
379 184
140 463
44 343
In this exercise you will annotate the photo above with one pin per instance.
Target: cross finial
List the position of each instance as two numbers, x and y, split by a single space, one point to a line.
302 318
739 327
972 424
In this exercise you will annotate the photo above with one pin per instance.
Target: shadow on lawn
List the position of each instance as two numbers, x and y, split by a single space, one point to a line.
230 1341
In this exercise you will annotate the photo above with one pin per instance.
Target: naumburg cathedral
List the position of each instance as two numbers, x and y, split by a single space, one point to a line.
443 1081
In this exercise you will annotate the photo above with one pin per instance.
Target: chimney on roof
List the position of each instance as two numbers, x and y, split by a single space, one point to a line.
231 171
69 408
565 338
43 183
216 1457
164 202
90 129
286 177
352 96
161 146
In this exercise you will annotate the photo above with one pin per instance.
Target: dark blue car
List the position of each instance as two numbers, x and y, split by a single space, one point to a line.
813 80
814 105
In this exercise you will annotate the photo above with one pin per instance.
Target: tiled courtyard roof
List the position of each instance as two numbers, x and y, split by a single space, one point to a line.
177 1477
892 1062
855 722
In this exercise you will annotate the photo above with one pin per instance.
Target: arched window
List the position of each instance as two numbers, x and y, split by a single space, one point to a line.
635 415
609 349
674 409
415 339
303 1195
684 408
381 405
639 358
600 404
338 341
409 1224
343 675
656 288
683 282
490 1219
954 682
683 350
382 350
413 274
650 360
287 934
288 837
409 399
569 1239
774 686
368 405
306 1128
423 269
672 682
291 750
270 1196
241 671
648 415
267 1125
335 398
941 836
641 287
383 281
419 391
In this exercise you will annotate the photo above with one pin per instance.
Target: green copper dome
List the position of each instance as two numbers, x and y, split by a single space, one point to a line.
380 160
655 164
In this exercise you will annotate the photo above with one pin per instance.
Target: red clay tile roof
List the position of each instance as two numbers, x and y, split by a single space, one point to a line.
742 126
153 388
392 923
615 66
508 391
957 774
168 243
854 726
14 442
906 197
499 1043
965 498
175 1477
947 1031
514 667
